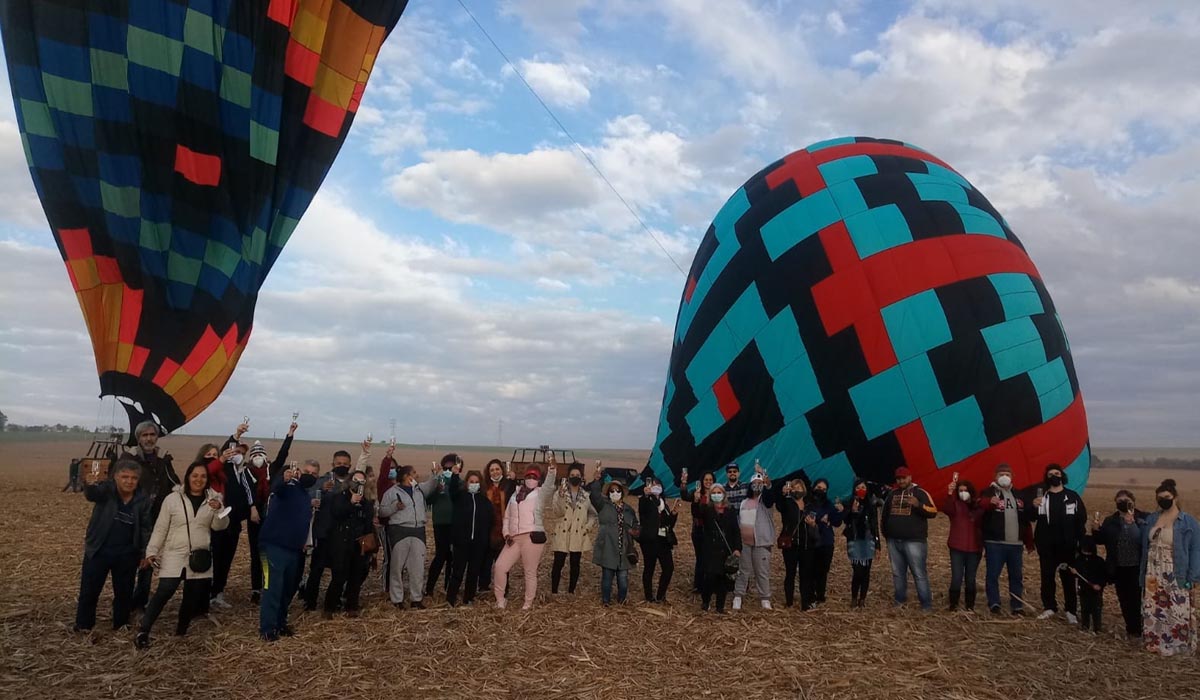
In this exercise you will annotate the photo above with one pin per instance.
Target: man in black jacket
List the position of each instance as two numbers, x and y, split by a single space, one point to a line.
116 540
156 481
330 485
1061 520
907 510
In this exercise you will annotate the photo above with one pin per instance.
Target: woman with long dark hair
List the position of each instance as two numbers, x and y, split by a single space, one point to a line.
1170 571
862 540
694 496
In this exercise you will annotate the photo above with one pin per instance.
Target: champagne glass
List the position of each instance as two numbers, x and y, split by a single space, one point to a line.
295 416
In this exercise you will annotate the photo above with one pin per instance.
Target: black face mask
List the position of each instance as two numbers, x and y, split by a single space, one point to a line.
575 481
341 471
1054 480
797 495
820 495
1166 503
1124 506
307 481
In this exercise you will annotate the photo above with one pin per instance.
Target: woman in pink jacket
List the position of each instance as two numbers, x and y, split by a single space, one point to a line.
524 533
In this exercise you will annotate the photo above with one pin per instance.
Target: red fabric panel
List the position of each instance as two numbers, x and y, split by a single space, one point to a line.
165 372
200 168
826 155
201 352
137 360
76 242
108 270
800 168
726 401
131 313
324 117
283 11
300 63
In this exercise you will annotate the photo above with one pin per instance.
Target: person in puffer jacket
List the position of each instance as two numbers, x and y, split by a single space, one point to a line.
473 514
524 533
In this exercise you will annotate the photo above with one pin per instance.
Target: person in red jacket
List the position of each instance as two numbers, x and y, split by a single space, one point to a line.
965 540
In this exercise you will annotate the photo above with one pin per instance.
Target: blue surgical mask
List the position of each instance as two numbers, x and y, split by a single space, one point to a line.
473 487
392 474
446 473
717 497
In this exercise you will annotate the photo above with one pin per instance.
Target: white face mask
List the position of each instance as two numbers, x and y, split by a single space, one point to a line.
656 490
258 460
1004 481
614 495
964 496
531 484
717 497
473 487
236 459
496 479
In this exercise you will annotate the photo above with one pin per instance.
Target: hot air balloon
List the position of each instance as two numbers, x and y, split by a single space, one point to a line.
175 144
859 306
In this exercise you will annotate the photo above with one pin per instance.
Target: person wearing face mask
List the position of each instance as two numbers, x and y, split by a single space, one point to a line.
443 523
1121 535
524 533
907 510
158 479
657 521
862 540
721 539
239 487
473 514
827 516
328 486
386 480
281 541
1061 521
349 552
798 540
404 507
1004 524
756 530
1170 573
613 549
263 472
576 526
498 488
965 541
697 495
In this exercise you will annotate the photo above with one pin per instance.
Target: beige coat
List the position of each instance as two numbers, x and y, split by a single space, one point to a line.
578 524
169 541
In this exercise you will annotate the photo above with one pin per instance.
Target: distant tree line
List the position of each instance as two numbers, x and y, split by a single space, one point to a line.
1147 463
5 426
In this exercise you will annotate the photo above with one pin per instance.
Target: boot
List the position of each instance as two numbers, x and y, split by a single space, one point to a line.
969 601
954 594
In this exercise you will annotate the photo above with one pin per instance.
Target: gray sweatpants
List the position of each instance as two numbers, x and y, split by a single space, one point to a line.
407 554
756 561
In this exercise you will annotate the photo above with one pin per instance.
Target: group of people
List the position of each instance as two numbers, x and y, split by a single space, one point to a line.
349 521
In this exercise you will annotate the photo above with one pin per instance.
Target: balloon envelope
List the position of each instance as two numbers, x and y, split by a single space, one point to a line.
859 306
175 145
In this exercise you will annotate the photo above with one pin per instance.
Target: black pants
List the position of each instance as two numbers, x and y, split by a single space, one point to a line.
1128 582
141 589
195 595
1049 557
656 551
798 564
224 546
443 556
822 560
1091 606
560 558
472 558
318 563
860 581
346 577
698 574
715 585
256 578
96 570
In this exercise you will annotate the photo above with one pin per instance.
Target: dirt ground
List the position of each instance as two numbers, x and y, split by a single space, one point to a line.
568 646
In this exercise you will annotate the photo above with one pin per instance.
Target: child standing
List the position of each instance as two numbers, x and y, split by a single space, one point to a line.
1091 573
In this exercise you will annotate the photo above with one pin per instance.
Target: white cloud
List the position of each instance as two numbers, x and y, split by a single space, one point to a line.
552 18
836 24
560 84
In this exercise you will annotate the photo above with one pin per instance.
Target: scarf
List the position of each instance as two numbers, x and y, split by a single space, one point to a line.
523 493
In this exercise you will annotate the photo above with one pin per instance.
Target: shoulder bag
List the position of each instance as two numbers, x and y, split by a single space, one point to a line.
199 560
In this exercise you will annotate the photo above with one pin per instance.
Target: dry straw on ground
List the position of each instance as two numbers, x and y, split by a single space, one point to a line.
567 647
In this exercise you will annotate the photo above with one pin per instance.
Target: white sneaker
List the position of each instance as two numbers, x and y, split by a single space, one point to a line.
737 602
1046 615
766 605
219 601
1071 619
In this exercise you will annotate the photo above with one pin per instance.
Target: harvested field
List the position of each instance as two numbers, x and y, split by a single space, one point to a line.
565 647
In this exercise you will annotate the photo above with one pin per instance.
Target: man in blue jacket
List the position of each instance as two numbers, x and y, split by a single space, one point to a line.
115 543
281 544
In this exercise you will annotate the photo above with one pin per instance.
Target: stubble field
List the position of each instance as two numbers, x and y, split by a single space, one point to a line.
567 646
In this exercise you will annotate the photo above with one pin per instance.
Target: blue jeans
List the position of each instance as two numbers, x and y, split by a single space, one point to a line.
1000 556
280 581
964 566
606 579
906 556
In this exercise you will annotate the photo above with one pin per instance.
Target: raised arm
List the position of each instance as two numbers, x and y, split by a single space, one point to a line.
594 493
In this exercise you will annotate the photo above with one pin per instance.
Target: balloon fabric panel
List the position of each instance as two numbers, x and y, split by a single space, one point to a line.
859 306
175 144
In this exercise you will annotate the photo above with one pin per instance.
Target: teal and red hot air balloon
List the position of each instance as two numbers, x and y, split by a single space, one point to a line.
175 144
858 306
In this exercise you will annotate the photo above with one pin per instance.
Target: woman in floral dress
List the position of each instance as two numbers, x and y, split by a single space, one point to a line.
1171 569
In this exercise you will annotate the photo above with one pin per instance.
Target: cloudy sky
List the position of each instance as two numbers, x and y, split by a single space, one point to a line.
463 264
